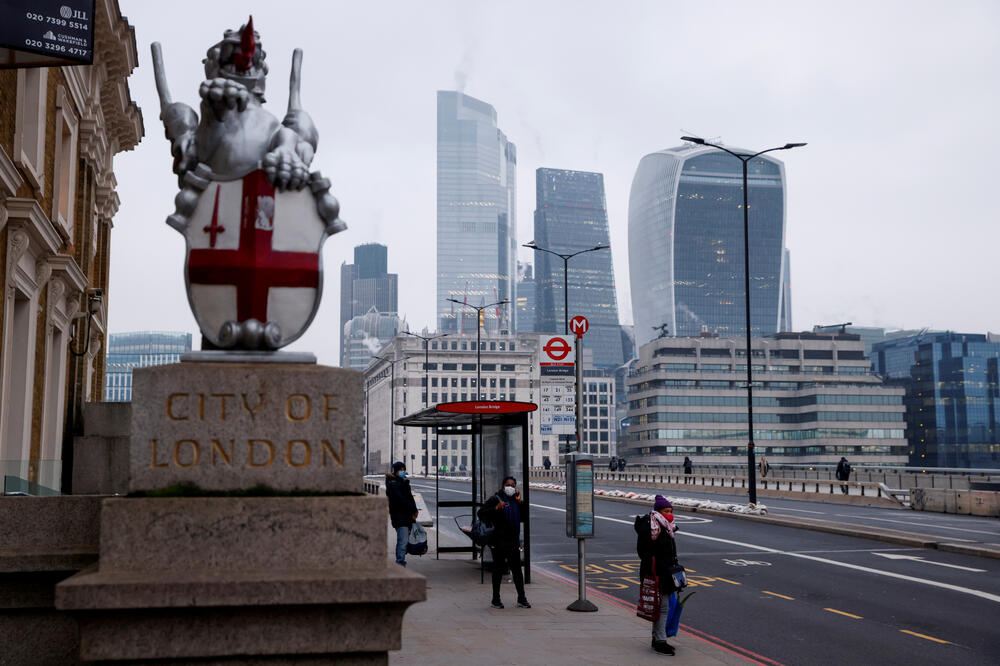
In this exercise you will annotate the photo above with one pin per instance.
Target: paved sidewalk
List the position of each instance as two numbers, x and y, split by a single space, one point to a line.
456 625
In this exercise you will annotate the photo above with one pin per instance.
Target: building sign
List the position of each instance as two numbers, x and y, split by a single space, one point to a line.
556 355
487 407
579 325
46 32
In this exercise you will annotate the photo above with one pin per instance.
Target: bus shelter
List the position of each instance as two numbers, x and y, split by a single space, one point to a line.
499 433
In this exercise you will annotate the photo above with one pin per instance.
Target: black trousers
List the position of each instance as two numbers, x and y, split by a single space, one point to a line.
506 554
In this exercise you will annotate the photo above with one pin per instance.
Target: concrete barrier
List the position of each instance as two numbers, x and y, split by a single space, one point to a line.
966 502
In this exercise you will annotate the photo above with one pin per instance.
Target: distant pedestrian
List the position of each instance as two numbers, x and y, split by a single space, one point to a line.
621 464
613 464
843 472
655 544
688 465
402 508
764 467
546 463
505 513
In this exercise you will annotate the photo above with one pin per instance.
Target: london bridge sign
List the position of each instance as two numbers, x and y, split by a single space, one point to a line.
225 426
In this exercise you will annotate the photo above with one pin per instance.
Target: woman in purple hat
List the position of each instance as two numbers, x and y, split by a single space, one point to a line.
656 543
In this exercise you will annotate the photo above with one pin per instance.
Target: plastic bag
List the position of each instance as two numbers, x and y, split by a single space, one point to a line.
417 543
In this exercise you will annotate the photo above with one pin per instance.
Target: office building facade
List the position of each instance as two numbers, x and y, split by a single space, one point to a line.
686 249
571 215
815 400
364 336
952 398
526 303
140 349
476 216
510 371
364 285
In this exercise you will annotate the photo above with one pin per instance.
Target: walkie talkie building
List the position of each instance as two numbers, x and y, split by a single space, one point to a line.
685 225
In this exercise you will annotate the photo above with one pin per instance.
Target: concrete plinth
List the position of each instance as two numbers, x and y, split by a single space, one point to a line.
43 540
258 580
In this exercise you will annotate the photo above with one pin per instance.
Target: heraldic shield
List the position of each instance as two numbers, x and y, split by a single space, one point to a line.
253 265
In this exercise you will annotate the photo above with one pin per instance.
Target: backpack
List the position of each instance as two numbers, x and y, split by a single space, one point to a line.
644 540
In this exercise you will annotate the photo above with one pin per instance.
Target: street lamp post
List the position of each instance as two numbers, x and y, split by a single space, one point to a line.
427 388
744 159
565 257
479 314
392 405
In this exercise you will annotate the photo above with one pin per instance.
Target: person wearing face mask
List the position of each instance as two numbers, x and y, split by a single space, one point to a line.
504 512
402 508
656 543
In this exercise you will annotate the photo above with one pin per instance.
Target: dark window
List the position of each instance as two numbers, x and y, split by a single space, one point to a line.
786 353
818 353
716 352
489 367
506 367
675 351
851 355
431 366
449 366
469 367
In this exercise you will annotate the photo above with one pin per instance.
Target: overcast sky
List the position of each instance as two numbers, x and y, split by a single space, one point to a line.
889 214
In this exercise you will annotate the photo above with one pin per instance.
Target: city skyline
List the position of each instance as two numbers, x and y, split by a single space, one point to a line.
822 76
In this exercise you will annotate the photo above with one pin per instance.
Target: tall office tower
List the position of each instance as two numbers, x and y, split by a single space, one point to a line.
952 398
571 215
685 235
476 219
526 299
364 285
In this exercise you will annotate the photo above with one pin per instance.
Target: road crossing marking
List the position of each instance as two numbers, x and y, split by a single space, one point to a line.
839 612
726 580
775 594
924 636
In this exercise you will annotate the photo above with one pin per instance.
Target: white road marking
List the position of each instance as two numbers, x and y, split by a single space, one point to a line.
915 558
995 598
924 525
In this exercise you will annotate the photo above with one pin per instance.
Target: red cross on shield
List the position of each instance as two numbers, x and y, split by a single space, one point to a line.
254 252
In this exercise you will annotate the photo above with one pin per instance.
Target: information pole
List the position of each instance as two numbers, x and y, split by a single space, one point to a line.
580 519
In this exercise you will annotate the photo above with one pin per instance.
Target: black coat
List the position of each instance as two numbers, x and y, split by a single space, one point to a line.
493 515
401 503
663 550
843 470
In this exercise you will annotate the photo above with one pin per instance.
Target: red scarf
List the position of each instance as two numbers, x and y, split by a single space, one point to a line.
657 521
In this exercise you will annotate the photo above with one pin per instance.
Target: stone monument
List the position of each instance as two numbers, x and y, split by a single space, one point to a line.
246 536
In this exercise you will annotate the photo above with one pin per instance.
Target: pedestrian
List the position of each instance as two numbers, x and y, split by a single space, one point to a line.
655 543
843 472
546 463
687 469
621 464
764 467
504 512
402 508
613 464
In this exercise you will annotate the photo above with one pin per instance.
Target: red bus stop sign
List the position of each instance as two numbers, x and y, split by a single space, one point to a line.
579 325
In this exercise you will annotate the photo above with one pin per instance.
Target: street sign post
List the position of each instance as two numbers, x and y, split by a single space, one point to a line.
580 519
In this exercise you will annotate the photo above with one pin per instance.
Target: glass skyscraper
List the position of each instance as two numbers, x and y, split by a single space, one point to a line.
571 215
952 399
364 285
686 263
140 349
526 299
476 219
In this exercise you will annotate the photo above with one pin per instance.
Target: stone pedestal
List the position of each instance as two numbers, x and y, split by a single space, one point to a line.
243 579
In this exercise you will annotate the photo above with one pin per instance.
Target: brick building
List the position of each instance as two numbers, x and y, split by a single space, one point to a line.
60 128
